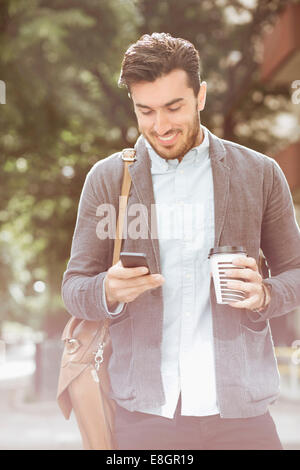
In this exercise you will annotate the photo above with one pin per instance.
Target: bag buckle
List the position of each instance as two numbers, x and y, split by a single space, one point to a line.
72 345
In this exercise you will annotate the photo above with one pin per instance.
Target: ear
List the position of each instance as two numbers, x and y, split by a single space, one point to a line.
202 96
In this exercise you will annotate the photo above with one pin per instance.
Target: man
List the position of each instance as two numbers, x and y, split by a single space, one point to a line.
186 372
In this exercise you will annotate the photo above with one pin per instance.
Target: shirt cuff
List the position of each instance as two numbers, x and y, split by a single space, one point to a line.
117 310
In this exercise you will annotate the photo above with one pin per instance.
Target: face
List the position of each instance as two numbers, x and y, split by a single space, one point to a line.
167 112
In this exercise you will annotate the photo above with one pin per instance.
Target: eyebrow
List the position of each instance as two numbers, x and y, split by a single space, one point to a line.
176 100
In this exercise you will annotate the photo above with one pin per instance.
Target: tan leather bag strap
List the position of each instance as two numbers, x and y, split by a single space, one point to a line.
128 156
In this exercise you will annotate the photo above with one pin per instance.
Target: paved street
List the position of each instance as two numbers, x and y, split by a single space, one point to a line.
286 415
38 426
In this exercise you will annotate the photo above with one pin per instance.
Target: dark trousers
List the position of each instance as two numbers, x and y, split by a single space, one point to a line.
142 431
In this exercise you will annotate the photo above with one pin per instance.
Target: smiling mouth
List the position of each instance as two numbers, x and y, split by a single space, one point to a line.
167 140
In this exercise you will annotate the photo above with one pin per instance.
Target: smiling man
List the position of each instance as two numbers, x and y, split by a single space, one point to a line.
185 371
171 126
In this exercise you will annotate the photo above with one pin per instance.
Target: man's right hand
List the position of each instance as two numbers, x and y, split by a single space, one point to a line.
126 284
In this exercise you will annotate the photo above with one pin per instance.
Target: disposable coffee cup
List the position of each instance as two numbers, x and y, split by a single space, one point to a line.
221 259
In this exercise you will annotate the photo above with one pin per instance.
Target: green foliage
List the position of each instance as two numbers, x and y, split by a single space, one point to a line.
60 62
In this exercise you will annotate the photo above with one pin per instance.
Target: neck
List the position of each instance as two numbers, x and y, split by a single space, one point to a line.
198 141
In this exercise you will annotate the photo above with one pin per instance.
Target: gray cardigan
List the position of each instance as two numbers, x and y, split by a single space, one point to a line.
254 209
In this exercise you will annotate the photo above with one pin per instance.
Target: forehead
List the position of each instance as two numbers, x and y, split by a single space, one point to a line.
163 90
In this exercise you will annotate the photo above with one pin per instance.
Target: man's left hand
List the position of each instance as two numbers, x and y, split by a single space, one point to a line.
250 283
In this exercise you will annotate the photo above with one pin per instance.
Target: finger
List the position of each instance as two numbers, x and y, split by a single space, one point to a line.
138 284
130 293
120 272
249 303
247 287
151 281
245 274
148 282
245 261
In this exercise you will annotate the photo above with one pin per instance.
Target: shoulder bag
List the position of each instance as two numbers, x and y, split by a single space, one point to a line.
84 383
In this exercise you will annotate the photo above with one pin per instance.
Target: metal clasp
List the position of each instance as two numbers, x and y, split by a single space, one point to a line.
128 155
99 356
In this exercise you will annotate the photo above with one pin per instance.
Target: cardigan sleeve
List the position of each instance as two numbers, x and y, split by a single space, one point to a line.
83 280
280 242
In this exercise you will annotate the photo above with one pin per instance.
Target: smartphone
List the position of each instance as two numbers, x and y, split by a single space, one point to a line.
134 260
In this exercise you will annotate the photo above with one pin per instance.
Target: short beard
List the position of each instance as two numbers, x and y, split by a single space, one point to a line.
186 146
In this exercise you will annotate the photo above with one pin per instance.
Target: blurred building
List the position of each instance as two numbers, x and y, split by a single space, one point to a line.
281 68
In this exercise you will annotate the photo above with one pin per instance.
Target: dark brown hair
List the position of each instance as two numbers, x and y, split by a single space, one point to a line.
155 55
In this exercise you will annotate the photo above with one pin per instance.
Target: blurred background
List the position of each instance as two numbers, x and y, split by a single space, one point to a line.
61 111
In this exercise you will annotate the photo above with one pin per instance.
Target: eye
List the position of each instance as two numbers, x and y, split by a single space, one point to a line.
174 109
146 113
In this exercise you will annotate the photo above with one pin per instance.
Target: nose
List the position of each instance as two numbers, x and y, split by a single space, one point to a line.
161 124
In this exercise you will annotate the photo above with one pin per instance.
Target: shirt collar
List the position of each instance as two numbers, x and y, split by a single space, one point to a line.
194 156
